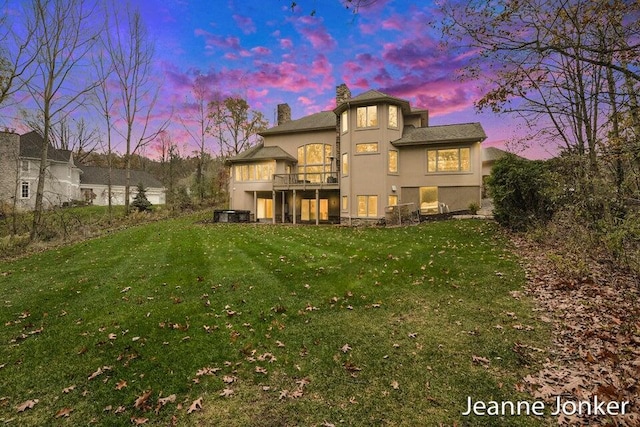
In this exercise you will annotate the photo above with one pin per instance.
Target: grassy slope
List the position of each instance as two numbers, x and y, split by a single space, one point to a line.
413 304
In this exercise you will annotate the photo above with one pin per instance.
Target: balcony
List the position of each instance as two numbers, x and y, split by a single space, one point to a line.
306 181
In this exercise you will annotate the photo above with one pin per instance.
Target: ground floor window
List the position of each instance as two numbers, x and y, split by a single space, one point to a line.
368 206
24 190
393 200
309 207
428 200
265 208
345 203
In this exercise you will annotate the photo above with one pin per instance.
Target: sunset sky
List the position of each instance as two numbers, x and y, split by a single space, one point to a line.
269 54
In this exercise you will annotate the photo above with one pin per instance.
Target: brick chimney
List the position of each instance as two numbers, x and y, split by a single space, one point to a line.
284 113
342 94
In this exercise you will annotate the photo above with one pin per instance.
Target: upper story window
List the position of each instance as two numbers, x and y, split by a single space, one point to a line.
24 165
392 165
262 171
367 147
314 162
345 164
449 160
344 121
367 117
393 116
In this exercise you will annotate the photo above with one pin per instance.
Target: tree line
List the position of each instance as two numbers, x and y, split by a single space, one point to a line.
75 57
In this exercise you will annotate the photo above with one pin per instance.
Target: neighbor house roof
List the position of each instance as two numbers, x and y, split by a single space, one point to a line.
94 175
466 132
370 97
490 154
31 147
324 120
260 152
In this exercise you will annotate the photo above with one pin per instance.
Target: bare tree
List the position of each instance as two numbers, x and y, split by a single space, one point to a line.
17 54
65 32
131 54
202 120
104 104
236 124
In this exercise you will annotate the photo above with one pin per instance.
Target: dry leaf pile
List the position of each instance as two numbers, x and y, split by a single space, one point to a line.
596 335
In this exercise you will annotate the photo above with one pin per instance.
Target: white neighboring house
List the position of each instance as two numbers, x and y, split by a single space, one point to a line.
94 186
19 169
65 181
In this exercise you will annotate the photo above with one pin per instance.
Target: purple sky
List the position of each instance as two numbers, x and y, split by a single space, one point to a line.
269 54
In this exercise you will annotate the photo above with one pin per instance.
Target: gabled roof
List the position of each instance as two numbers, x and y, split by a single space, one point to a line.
324 120
371 97
260 153
31 147
490 154
466 132
94 175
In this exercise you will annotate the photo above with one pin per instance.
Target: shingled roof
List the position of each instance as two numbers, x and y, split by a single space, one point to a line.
260 152
466 132
371 97
324 120
31 148
94 175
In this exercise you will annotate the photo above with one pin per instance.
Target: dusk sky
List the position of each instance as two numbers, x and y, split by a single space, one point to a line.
269 54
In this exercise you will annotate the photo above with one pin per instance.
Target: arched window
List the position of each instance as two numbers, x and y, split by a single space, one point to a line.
314 162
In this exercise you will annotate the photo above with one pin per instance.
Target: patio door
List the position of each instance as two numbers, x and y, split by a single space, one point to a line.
308 209
265 208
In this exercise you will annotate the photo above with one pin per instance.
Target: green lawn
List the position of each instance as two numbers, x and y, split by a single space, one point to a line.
300 325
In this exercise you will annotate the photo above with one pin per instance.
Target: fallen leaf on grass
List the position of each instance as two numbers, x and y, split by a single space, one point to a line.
139 421
228 379
164 400
480 360
227 392
69 389
121 384
142 400
260 370
345 348
98 372
64 413
27 405
395 385
195 406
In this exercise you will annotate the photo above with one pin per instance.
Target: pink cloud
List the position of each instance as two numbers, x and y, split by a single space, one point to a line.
305 101
286 43
396 22
245 23
261 50
214 40
312 29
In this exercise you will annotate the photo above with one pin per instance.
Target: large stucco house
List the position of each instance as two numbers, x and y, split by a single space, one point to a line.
350 164
65 181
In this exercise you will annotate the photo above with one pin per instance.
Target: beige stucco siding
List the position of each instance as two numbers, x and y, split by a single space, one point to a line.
368 172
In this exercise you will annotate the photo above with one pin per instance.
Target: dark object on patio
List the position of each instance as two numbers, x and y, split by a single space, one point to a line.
231 216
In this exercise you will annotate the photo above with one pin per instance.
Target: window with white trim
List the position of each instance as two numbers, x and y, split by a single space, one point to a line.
25 188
